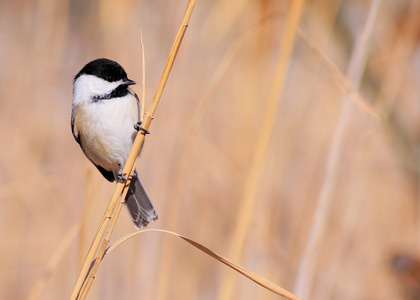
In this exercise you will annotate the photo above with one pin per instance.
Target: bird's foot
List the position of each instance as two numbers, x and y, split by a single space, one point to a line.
138 127
121 177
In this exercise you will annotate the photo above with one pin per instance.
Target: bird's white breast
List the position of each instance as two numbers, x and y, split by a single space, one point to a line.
105 129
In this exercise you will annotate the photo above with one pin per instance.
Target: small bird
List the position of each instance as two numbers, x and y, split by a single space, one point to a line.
104 121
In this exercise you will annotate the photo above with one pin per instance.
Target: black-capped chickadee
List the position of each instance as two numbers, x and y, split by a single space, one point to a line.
105 117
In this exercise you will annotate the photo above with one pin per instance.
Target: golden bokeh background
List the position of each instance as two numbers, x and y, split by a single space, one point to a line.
341 167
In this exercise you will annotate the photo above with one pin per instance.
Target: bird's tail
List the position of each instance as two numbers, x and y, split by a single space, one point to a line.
138 203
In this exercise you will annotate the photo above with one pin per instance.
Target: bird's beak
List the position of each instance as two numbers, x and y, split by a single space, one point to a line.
129 81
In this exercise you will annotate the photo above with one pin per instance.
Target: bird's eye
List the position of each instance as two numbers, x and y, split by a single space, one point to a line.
109 78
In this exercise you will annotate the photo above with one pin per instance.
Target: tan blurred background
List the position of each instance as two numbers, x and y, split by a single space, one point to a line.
198 161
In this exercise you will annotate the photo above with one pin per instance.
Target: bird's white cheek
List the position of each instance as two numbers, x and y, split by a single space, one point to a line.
86 87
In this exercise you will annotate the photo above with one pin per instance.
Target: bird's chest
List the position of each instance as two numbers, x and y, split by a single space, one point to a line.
114 116
106 128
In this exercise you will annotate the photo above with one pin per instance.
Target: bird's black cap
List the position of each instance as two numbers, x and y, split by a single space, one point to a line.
104 68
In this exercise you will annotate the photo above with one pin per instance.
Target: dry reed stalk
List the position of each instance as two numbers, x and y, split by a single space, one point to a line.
267 121
189 137
100 240
305 275
106 239
251 275
85 212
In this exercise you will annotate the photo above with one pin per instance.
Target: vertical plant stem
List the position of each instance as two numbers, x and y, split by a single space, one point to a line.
96 241
105 241
305 275
267 121
129 165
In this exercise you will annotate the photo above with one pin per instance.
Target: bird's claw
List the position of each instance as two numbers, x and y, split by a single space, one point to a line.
138 127
121 177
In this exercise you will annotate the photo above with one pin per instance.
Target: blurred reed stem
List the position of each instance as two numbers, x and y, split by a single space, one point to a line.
305 275
267 121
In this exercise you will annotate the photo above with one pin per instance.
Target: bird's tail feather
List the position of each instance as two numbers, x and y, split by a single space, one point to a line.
138 203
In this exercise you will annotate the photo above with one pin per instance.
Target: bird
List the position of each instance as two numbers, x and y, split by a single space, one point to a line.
105 120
